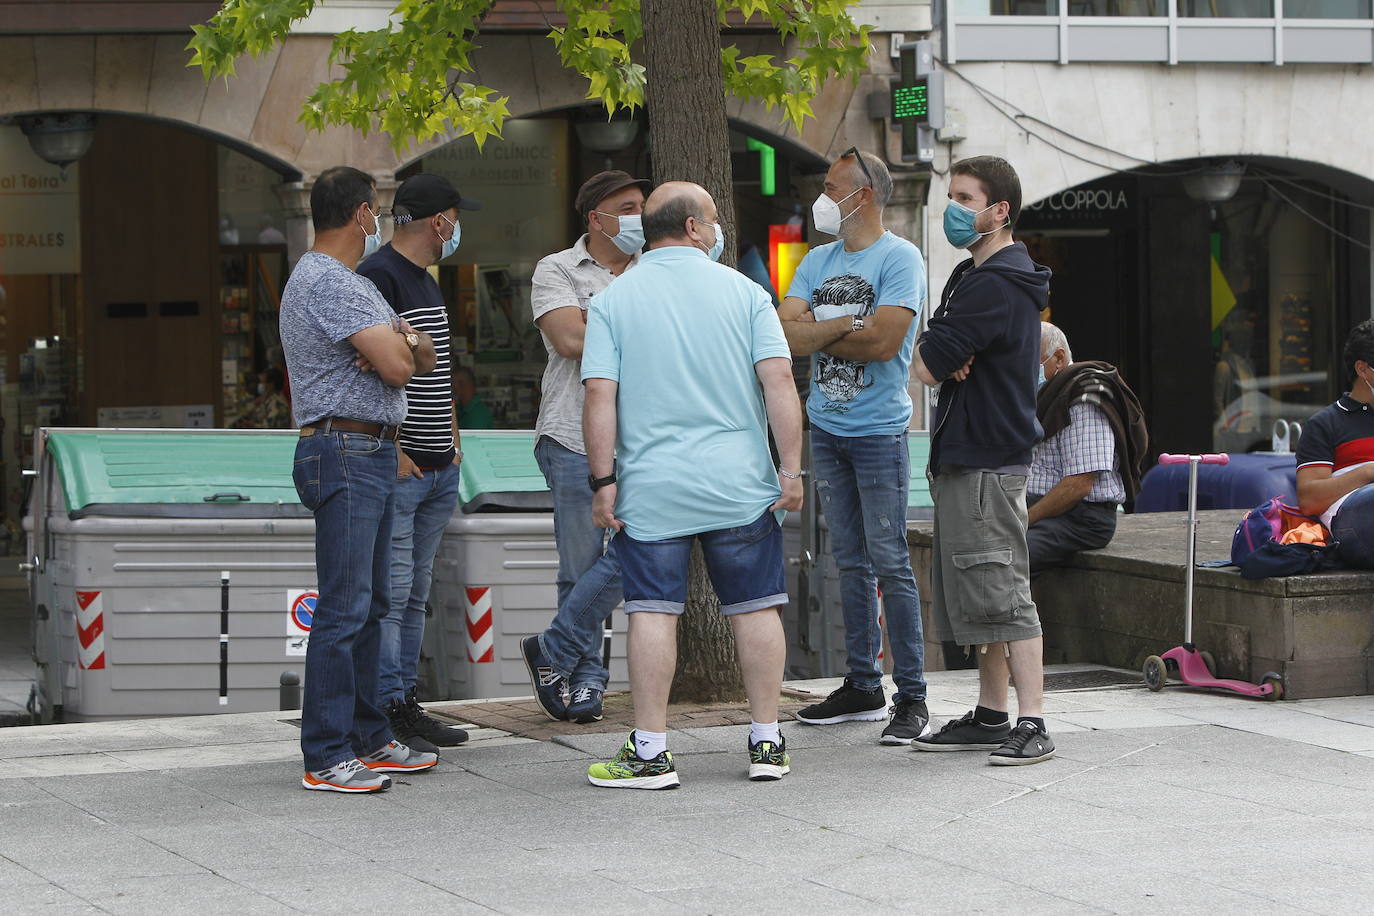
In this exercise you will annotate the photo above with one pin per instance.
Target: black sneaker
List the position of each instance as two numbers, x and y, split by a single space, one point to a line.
847 704
964 734
584 706
402 729
423 725
548 684
1028 743
910 720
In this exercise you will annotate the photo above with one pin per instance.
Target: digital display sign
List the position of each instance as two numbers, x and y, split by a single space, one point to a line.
910 101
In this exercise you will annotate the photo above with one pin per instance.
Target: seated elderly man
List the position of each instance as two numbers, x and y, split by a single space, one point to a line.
1089 461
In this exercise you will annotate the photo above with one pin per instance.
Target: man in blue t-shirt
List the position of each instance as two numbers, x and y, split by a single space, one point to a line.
675 354
850 307
425 212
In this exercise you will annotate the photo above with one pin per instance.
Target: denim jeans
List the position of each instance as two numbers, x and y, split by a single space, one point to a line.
1353 527
346 479
861 483
588 577
421 508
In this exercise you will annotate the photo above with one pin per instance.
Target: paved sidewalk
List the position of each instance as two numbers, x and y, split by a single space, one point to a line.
1177 802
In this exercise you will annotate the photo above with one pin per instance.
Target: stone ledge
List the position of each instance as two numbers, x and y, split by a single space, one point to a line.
1118 605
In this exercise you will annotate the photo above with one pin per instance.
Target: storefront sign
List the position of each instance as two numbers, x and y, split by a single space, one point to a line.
1086 199
40 229
522 182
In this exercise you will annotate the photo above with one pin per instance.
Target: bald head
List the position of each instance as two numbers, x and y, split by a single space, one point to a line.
679 213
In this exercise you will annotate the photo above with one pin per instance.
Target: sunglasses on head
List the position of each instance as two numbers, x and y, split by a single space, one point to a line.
854 151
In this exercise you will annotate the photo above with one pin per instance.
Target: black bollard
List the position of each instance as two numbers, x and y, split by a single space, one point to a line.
290 690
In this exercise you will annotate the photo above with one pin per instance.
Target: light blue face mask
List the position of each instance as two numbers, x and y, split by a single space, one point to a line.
374 241
719 246
1040 382
450 243
959 230
630 238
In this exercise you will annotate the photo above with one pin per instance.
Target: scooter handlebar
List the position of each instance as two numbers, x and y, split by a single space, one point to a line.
1202 459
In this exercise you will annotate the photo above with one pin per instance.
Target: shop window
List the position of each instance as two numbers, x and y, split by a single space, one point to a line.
1327 9
1228 9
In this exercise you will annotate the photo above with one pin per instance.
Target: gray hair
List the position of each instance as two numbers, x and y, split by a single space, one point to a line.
1051 339
882 178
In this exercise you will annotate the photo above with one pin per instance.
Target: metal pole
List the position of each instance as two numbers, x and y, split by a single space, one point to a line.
224 638
1193 461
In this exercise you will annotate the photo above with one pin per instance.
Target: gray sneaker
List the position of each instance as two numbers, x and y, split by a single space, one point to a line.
1027 744
349 776
396 757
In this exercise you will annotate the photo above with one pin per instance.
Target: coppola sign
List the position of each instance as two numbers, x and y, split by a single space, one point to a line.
1083 199
39 211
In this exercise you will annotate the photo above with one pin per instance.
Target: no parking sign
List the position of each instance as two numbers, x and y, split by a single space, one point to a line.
300 613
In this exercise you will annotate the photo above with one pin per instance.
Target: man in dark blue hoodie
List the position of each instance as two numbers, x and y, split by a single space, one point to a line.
982 347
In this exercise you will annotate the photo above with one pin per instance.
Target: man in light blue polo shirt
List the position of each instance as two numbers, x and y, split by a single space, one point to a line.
851 307
684 363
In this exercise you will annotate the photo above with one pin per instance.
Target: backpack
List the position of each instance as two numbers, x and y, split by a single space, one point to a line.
1257 546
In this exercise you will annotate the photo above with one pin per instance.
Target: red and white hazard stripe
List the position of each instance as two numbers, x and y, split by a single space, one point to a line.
90 631
481 639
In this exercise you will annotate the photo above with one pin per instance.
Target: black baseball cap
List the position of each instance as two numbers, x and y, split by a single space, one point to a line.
426 194
602 185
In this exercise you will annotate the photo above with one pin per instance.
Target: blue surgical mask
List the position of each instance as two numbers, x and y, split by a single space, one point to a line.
1040 382
374 241
718 247
450 243
959 230
630 238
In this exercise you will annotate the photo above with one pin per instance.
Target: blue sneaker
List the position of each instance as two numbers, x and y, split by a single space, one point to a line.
584 705
548 684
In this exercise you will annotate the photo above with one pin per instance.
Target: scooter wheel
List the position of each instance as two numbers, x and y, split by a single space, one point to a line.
1210 662
1277 680
1156 675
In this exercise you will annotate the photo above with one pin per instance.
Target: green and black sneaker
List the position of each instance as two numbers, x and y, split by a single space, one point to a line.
627 771
769 761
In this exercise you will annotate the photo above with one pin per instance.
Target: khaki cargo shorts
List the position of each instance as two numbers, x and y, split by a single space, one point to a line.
980 575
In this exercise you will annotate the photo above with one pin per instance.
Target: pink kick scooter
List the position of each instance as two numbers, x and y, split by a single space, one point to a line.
1194 668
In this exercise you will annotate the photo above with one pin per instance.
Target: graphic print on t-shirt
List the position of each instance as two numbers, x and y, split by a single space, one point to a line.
841 380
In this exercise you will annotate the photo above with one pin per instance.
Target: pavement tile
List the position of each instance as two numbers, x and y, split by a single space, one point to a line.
44 899
231 850
1277 721
782 897
168 894
359 886
66 765
98 851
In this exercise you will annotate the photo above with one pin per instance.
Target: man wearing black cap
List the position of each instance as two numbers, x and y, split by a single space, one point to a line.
565 660
425 213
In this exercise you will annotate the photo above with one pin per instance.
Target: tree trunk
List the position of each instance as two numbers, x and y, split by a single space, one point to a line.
689 141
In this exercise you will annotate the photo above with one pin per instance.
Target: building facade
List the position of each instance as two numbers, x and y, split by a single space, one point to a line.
1194 172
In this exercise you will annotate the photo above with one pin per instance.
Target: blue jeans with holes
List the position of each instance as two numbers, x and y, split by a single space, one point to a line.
588 577
861 483
346 479
421 508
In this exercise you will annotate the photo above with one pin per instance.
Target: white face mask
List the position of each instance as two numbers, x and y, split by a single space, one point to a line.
825 213
374 241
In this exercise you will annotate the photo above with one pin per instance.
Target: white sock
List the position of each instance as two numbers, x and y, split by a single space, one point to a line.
764 731
649 745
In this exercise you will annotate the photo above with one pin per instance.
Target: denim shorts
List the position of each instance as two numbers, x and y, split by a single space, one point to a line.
745 565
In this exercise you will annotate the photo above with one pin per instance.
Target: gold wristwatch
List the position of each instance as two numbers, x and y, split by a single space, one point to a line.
412 340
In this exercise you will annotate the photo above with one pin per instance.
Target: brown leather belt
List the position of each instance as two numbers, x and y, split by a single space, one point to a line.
345 425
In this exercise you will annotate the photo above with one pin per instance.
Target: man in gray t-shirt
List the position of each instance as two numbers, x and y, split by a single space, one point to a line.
349 365
566 658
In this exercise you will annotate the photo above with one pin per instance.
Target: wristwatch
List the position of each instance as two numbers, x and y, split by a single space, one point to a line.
858 324
596 483
412 340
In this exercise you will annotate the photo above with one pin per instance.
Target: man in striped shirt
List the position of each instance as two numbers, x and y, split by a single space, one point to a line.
425 212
